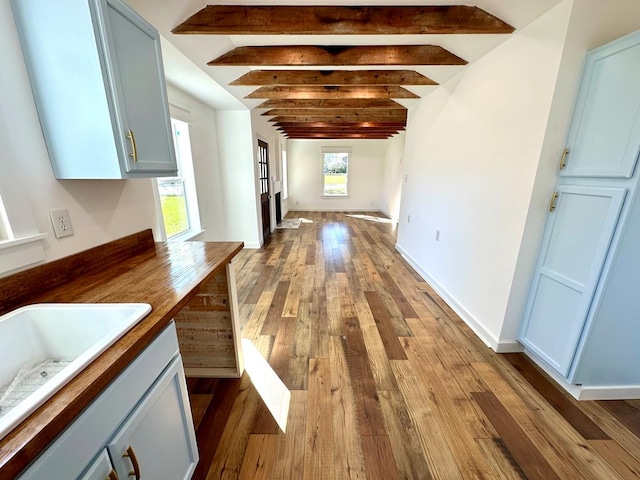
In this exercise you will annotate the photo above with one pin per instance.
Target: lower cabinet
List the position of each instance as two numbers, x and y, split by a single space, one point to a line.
101 469
156 441
140 427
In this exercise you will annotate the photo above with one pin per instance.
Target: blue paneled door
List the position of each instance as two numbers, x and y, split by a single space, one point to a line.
576 241
604 138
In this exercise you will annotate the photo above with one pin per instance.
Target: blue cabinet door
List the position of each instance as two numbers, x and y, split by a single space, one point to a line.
141 123
604 137
576 241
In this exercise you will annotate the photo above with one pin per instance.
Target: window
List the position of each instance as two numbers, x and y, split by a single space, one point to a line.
285 177
335 169
5 227
177 195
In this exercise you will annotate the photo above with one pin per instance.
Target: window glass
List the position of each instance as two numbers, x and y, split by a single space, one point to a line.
285 176
177 194
335 173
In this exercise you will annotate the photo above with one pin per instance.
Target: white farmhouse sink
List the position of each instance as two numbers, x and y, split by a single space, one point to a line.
42 347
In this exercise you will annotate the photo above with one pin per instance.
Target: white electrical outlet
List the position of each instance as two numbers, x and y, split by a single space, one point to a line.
61 223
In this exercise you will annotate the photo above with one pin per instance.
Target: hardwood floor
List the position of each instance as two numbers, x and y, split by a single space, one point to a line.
386 381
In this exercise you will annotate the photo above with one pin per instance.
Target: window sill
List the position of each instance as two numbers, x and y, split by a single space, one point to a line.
334 196
18 253
187 236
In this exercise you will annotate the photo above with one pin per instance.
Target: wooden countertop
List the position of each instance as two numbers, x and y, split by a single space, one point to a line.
129 270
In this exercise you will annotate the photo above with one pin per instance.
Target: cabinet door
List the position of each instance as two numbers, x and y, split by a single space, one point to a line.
158 440
604 138
573 251
101 469
138 77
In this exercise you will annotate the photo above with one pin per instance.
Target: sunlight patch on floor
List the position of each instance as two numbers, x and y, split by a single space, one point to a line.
372 218
275 395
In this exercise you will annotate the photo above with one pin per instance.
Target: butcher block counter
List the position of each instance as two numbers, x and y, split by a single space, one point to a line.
191 282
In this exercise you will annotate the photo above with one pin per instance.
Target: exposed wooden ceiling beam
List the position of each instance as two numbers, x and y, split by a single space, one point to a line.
326 92
396 125
338 55
302 133
311 136
341 20
331 103
332 117
338 130
332 77
363 114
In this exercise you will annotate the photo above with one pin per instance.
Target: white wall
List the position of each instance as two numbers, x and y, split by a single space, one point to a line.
206 164
365 175
100 211
392 177
472 151
593 23
238 176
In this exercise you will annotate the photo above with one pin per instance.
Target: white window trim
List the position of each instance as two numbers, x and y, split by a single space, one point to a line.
187 173
284 161
324 150
18 253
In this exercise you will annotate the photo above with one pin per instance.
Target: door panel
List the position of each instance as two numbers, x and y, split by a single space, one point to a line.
144 106
579 218
604 138
263 179
101 469
158 440
572 256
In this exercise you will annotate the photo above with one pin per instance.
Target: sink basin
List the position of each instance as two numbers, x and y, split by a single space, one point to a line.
43 346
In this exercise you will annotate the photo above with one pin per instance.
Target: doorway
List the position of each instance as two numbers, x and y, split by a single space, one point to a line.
263 178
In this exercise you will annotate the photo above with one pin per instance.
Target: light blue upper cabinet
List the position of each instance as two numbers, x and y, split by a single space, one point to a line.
604 137
577 239
96 73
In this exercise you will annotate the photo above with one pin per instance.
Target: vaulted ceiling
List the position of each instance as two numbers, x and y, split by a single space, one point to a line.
326 72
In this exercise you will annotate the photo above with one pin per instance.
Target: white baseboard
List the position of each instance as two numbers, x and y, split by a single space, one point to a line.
394 219
470 320
512 346
252 245
587 392
323 209
626 392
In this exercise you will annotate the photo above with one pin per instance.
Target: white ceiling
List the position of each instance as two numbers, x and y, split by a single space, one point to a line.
186 56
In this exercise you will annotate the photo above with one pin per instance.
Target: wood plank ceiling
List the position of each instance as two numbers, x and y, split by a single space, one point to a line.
336 102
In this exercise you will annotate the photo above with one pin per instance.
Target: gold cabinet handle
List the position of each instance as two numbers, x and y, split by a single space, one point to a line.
134 149
552 203
134 462
112 475
563 159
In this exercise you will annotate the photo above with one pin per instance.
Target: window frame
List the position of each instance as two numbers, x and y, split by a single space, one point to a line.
324 151
184 159
285 173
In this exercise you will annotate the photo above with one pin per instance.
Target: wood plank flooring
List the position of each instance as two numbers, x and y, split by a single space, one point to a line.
386 381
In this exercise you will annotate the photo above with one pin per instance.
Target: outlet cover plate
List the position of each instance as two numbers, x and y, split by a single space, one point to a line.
61 223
